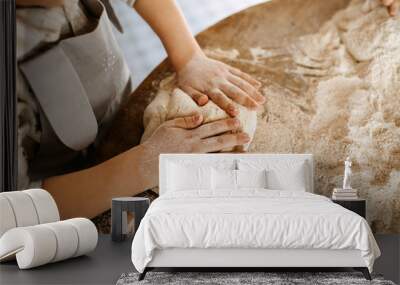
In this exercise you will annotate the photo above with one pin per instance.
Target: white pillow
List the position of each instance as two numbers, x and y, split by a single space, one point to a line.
224 179
292 179
181 177
281 174
229 179
251 178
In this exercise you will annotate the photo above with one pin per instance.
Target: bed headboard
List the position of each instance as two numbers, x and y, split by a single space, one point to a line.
230 158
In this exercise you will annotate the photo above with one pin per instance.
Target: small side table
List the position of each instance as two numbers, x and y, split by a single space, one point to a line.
357 206
119 219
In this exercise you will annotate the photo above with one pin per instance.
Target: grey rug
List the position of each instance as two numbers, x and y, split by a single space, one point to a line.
232 278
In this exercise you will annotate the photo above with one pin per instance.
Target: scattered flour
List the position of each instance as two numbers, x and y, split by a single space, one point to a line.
260 53
360 91
352 69
220 53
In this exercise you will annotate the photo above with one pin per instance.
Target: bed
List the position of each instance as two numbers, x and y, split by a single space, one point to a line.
247 211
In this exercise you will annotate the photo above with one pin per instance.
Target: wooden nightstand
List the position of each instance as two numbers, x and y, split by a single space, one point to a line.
358 206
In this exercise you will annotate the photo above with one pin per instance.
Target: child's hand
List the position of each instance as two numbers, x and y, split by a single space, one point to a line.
203 78
199 76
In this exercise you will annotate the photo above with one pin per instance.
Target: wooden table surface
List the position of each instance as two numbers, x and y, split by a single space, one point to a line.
268 25
294 118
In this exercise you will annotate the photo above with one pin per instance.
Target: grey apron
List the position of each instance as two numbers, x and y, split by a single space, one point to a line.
75 82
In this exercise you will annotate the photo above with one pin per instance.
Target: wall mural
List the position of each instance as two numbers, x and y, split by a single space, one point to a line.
331 77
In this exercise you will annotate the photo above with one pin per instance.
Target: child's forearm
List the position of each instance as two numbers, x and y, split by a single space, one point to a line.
167 21
88 192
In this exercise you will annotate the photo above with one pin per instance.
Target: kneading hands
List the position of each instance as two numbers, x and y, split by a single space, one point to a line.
201 77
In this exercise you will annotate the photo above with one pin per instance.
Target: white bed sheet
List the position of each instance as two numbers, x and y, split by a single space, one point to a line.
250 218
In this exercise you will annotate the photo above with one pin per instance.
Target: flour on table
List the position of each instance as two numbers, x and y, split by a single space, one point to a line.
338 96
220 53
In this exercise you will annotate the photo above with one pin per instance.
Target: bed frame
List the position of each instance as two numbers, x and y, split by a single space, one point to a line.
261 259
246 259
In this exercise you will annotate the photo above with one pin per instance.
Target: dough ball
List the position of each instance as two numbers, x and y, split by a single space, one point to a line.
171 103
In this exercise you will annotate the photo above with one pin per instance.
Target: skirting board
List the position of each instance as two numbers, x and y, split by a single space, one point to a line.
189 257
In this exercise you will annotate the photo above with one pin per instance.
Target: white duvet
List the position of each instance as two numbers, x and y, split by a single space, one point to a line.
252 218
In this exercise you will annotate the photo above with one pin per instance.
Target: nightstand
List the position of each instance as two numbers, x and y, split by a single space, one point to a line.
119 215
358 206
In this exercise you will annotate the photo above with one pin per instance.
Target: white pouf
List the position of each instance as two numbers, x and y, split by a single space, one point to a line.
31 232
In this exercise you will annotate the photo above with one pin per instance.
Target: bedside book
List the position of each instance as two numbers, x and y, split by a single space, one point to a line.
344 194
336 197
